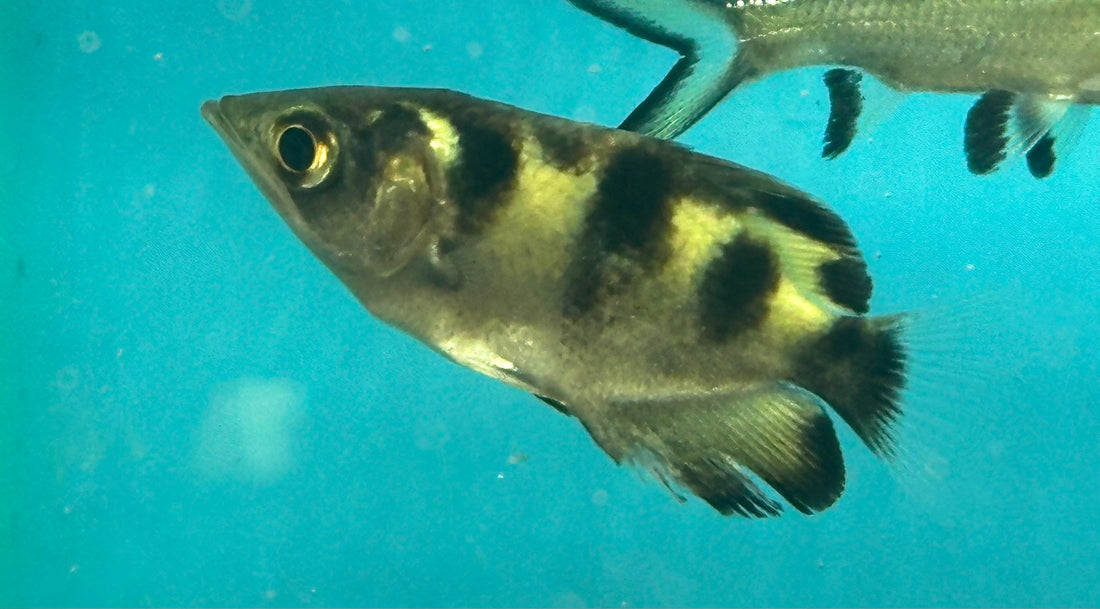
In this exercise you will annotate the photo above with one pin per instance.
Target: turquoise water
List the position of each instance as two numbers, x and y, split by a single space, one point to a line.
193 411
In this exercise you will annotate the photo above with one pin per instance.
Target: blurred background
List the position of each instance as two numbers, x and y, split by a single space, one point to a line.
193 411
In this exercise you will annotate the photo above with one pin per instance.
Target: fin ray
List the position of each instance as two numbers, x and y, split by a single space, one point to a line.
714 444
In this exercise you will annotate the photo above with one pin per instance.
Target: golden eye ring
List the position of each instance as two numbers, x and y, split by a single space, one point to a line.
304 155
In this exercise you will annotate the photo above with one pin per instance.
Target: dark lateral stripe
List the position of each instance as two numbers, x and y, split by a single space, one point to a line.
985 135
736 289
845 106
629 217
1041 157
806 216
631 211
563 145
846 282
485 172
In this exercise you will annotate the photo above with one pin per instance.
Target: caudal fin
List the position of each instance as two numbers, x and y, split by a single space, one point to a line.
858 367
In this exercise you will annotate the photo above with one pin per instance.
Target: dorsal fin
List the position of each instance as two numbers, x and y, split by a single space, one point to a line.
845 106
816 249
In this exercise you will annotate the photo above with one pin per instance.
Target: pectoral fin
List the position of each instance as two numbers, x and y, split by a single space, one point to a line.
715 444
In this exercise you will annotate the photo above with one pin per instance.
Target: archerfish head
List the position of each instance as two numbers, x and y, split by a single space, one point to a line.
355 171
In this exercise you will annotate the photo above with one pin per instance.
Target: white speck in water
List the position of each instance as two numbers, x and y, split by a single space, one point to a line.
600 497
595 68
969 267
401 34
158 57
475 50
149 190
89 41
427 47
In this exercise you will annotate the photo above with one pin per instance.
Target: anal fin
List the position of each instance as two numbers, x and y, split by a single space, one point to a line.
715 444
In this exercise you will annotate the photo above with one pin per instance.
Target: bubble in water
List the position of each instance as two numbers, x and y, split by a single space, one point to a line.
89 41
235 10
250 429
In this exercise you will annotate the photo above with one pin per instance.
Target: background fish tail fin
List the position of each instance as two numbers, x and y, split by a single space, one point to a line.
690 90
711 64
727 446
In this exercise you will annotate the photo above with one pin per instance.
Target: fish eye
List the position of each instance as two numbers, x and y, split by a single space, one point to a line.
297 149
305 147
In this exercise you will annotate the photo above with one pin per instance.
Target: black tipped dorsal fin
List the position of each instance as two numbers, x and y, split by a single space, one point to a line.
715 444
709 68
986 131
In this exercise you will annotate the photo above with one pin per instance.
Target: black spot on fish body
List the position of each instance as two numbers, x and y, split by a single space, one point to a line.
485 172
845 106
846 282
1041 157
624 229
564 148
734 293
631 211
395 126
985 132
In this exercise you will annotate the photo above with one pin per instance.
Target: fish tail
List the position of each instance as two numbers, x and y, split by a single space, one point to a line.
859 368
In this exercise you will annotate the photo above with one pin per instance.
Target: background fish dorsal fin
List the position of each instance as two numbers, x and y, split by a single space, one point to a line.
857 104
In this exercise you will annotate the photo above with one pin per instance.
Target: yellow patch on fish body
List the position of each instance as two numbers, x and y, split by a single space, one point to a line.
697 316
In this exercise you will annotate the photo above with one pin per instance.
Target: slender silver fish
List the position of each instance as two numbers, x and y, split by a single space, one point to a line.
1034 62
696 316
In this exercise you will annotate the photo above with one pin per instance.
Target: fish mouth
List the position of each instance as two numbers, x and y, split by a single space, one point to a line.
248 150
246 154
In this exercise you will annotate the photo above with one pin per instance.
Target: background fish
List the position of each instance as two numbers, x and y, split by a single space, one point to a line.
695 315
1033 61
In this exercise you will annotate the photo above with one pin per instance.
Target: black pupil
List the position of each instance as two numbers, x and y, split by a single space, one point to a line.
296 149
